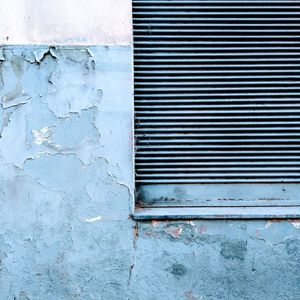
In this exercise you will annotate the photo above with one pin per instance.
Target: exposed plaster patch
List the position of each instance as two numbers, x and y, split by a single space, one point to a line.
40 53
2 57
90 52
13 139
73 86
94 219
267 225
16 97
53 52
191 223
41 136
175 232
259 238
295 223
15 102
6 115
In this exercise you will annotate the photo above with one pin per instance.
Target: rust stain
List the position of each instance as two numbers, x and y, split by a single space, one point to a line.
135 231
135 235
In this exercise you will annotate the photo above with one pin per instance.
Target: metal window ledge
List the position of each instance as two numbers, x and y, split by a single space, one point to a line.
177 213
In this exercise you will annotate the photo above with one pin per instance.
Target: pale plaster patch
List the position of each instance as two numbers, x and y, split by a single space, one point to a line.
175 232
41 136
267 225
296 223
94 219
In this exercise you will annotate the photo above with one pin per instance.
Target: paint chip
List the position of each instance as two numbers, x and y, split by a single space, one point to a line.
295 223
92 220
39 54
175 232
41 136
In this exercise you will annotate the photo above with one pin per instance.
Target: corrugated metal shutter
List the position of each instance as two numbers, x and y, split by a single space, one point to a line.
217 94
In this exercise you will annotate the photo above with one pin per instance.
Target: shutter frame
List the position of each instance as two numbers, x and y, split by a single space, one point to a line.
217 103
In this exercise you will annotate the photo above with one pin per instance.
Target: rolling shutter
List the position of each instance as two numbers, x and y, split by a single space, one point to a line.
217 102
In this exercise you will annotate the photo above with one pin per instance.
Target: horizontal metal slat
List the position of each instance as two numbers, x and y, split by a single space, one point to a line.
195 27
157 109
170 55
214 95
221 151
204 145
214 13
253 65
226 169
179 72
208 175
213 32
208 50
159 84
223 43
219 101
189 129
216 37
193 109
201 158
203 6
163 78
217 135
215 18
214 60
289 119
210 140
224 164
163 90
214 181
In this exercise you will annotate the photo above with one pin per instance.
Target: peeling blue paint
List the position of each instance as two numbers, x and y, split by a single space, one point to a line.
66 185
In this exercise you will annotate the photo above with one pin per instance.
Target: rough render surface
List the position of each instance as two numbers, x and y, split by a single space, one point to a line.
66 188
217 260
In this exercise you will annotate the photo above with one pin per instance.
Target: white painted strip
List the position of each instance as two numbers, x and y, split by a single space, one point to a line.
66 22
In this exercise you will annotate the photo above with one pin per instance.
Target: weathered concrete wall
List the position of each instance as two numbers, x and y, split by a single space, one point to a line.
66 172
66 187
66 178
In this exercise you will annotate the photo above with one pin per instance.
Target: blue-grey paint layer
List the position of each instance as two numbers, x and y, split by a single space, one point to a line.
66 186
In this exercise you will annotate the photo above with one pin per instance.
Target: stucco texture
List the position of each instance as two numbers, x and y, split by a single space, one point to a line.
66 189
